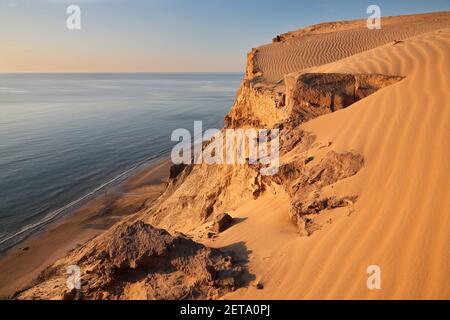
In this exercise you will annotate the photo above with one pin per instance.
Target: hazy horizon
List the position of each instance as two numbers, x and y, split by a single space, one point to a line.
159 36
122 72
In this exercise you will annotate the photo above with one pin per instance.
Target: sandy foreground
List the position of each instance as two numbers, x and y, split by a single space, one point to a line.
364 180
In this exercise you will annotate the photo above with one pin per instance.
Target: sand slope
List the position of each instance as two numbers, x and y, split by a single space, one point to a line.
328 42
401 220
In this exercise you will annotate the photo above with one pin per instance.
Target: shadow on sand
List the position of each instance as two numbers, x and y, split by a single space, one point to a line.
240 255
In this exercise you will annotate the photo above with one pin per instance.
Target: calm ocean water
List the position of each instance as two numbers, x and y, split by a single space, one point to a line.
65 137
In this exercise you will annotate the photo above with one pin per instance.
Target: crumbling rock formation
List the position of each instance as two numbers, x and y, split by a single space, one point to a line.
301 96
304 182
137 260
252 71
310 95
257 106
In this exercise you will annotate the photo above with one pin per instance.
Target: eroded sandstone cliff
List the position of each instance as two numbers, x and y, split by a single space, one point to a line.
135 259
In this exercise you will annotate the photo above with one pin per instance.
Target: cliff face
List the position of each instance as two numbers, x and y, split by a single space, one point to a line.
257 106
200 192
138 261
279 92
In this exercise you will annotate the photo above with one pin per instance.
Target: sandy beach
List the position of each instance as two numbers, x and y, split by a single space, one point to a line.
21 264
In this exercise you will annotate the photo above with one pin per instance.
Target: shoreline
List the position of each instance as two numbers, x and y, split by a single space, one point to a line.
20 264
55 215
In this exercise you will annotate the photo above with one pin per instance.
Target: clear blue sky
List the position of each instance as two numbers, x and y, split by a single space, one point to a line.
163 35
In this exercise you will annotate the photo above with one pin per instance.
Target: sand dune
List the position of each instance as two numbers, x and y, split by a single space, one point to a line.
328 42
401 219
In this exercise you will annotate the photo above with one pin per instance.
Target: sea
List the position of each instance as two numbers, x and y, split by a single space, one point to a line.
66 138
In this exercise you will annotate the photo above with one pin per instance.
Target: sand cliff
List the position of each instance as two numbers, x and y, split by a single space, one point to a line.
363 180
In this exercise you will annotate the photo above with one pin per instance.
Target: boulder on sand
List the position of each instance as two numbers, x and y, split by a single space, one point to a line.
222 222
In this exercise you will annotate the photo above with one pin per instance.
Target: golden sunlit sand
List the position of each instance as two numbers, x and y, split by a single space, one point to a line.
373 175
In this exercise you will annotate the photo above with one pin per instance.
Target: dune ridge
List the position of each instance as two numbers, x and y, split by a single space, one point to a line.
328 42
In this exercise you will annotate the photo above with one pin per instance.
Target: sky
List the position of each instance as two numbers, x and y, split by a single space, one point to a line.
163 35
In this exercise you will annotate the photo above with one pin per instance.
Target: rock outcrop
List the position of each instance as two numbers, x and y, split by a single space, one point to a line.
257 106
222 222
252 70
301 96
139 261
305 179
309 95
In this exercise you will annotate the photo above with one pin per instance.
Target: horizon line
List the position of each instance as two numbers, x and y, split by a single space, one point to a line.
119 72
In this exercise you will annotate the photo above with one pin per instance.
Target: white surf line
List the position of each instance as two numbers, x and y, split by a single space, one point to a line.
52 215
